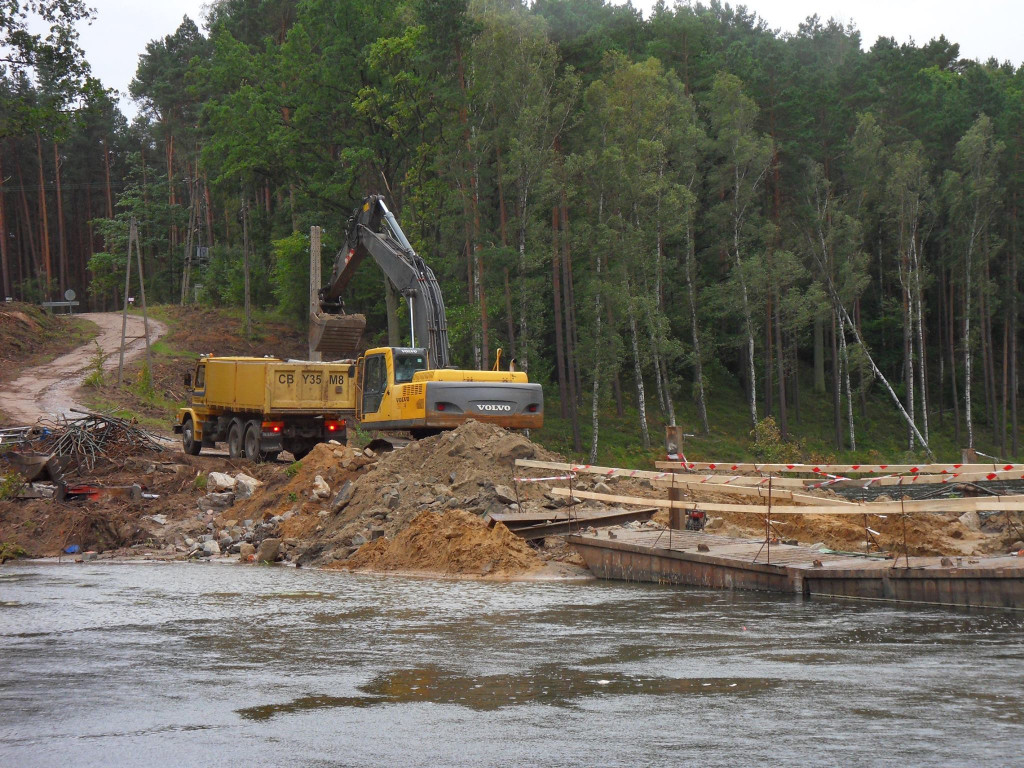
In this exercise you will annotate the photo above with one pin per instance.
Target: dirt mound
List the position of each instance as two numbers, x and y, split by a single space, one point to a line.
452 543
469 468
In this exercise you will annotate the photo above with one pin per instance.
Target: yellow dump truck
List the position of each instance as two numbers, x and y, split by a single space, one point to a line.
261 406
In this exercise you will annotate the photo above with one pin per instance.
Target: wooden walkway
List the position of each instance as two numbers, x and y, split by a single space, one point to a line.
673 557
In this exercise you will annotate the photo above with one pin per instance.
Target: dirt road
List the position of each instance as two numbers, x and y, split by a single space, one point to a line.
48 390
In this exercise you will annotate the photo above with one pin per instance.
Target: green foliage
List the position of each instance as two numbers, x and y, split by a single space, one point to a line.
292 496
10 485
768 444
293 469
11 551
143 384
200 482
95 376
291 275
690 179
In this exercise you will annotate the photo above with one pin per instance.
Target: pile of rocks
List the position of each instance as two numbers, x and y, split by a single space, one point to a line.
250 539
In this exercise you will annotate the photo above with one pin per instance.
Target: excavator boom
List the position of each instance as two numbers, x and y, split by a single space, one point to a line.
374 231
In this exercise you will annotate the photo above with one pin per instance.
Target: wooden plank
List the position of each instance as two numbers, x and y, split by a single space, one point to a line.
592 469
759 490
645 474
1011 503
940 479
820 469
782 482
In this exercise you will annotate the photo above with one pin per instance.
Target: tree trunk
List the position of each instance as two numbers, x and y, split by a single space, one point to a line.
796 379
783 415
596 386
556 290
62 249
37 264
572 337
698 364
846 380
837 418
524 339
44 218
967 338
508 318
1002 416
819 355
109 190
4 263
245 256
638 375
951 337
1013 327
769 383
572 372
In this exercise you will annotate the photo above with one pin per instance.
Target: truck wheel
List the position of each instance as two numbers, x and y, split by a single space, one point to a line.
235 436
189 444
252 441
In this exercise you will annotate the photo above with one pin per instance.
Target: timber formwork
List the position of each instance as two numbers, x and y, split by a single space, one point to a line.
672 557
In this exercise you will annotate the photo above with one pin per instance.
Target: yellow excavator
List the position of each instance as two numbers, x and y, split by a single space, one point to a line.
412 388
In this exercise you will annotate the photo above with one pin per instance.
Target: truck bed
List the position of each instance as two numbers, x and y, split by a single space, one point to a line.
269 386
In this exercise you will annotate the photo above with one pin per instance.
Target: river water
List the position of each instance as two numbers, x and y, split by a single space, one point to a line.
208 664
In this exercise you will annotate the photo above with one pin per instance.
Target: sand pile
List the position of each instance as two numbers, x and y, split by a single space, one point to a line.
452 543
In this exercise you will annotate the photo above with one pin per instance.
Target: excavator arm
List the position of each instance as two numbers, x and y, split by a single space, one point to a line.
374 231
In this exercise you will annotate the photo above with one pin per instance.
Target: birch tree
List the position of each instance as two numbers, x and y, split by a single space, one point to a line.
973 191
743 159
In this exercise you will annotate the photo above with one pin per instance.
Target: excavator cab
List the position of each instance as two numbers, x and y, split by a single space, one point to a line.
383 372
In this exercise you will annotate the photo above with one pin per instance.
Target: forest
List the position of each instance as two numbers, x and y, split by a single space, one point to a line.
643 212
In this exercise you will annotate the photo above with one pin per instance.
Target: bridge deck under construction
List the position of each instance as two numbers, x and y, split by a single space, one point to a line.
672 557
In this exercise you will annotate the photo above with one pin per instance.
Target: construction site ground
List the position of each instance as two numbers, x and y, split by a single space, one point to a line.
422 509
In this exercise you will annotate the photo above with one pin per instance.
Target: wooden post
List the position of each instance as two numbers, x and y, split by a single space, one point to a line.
124 307
142 291
133 240
314 285
673 447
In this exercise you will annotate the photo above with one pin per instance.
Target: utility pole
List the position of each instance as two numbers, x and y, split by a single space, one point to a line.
314 286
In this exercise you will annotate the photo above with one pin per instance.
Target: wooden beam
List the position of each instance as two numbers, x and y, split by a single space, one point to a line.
1000 503
760 490
820 469
713 478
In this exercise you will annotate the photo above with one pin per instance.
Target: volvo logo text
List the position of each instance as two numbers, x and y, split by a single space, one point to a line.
489 407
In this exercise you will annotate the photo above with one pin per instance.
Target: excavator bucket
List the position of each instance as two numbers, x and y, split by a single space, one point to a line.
336 337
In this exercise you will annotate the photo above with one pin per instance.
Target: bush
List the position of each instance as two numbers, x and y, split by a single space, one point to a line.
769 447
95 377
